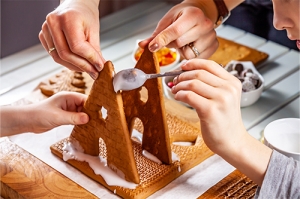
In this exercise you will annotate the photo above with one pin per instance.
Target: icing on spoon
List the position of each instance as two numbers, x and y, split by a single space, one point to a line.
133 78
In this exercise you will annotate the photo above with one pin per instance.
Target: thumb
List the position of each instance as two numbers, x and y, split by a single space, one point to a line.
75 118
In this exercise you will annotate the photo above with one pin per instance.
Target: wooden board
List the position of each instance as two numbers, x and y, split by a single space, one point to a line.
229 50
235 185
25 176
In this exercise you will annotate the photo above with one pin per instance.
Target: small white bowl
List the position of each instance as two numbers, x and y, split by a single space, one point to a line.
164 68
283 135
167 90
249 98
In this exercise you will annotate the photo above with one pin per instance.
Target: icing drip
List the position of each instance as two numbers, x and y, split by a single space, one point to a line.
179 168
183 143
151 157
139 137
98 164
175 157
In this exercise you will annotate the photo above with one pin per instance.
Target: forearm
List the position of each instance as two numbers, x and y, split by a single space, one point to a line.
15 119
249 156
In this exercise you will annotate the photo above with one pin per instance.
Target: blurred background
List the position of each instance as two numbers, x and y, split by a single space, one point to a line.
21 20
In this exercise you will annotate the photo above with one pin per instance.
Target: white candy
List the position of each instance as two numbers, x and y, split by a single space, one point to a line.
247 85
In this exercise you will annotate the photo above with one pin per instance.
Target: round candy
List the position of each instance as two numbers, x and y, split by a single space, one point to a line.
247 85
239 68
170 84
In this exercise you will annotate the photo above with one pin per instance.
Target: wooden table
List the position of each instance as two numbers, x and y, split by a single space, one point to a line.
23 71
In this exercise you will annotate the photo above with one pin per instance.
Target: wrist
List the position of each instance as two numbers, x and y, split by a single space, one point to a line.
208 8
14 120
223 12
249 156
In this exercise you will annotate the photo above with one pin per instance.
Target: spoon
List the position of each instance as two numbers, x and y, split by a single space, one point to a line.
133 78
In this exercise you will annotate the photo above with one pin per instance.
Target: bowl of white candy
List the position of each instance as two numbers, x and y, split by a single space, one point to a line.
251 79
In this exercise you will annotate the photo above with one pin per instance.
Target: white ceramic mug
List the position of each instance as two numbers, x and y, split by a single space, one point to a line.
283 135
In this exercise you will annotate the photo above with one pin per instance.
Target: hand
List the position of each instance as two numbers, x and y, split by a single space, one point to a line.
215 94
60 109
73 29
185 23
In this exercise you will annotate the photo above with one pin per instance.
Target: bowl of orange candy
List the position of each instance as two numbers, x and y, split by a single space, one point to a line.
168 58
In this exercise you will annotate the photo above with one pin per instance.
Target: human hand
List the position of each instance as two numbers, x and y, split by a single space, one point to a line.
73 29
185 23
215 94
60 109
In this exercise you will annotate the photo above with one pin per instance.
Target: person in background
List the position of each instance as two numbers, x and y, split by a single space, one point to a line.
215 94
60 109
256 17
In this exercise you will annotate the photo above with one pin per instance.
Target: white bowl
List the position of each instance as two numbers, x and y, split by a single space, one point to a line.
164 68
249 98
283 135
167 90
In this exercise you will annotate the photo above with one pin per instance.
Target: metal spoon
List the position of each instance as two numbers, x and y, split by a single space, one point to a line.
133 78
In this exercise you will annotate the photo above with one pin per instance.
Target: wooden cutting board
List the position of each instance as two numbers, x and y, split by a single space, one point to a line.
25 176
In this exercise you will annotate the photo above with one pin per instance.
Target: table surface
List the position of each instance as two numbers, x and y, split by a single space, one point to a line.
23 71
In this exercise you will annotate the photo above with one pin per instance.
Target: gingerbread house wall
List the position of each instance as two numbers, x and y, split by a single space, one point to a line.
112 129
152 112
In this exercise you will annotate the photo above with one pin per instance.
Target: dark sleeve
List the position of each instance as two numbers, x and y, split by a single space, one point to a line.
282 179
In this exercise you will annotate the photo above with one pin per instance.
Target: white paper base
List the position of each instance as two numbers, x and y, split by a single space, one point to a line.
190 185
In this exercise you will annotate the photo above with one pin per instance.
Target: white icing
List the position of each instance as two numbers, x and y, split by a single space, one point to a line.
183 143
104 113
137 135
129 79
179 168
175 157
99 165
151 157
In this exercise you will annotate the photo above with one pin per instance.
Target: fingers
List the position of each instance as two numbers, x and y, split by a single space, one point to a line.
74 118
145 42
74 104
201 75
182 25
70 101
196 86
76 47
207 65
48 43
80 44
170 32
206 45
70 105
208 82
199 82
194 100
